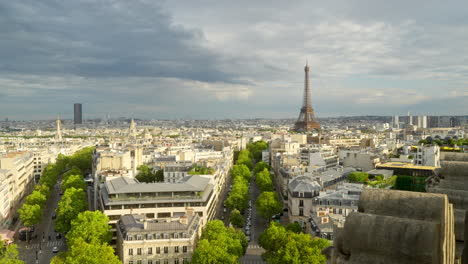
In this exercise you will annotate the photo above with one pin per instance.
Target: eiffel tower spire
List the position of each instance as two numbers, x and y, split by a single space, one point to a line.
306 120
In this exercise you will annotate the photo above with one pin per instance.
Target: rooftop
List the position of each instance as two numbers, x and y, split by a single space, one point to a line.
404 165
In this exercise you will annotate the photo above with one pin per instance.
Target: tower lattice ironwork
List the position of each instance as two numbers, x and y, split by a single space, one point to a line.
307 120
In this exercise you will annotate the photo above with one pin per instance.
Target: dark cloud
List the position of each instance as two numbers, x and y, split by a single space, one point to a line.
102 39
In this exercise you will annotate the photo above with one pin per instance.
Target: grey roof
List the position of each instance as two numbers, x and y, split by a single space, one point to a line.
130 185
303 184
134 223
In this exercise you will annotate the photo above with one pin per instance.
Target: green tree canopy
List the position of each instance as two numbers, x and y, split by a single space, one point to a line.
358 177
211 253
75 181
219 244
244 158
145 174
201 170
260 166
238 198
242 171
263 181
72 203
73 171
36 197
91 227
43 189
236 219
82 159
30 214
9 254
256 149
100 253
285 246
268 205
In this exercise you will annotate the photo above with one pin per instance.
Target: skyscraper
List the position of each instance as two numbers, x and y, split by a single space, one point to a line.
78 114
306 120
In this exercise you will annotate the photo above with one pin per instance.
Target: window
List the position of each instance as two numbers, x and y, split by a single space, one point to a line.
129 237
130 262
301 211
138 261
130 251
176 249
166 236
138 251
185 261
150 261
150 251
157 262
150 237
176 261
139 237
166 250
184 249
301 202
158 250
176 235
166 261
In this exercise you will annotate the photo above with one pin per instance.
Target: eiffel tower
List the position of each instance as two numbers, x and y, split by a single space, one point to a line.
306 120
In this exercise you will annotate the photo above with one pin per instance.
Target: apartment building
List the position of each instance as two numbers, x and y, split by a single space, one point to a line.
157 241
123 195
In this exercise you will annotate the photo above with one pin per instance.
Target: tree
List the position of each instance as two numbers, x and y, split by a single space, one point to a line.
285 246
268 205
200 170
43 189
263 181
294 227
75 181
36 197
236 219
9 254
30 214
211 253
242 171
219 244
358 177
145 174
73 171
160 176
82 252
260 166
256 149
238 198
244 158
91 227
72 203
82 159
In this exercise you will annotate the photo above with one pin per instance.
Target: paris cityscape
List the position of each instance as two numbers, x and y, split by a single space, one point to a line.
206 132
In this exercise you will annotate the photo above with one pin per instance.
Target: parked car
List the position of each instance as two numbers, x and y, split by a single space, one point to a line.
58 236
247 232
55 250
225 210
248 238
54 216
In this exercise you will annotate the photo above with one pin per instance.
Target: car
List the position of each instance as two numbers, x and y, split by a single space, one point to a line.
248 238
225 210
247 232
222 217
55 250
54 216
249 223
247 228
58 236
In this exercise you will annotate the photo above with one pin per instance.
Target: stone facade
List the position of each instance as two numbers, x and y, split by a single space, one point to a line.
396 227
452 179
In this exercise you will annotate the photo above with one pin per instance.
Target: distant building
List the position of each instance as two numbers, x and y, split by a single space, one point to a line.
176 171
157 241
78 114
428 156
403 168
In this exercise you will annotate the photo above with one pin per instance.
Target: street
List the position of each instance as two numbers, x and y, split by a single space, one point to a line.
42 246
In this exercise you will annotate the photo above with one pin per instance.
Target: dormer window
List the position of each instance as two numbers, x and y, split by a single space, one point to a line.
176 235
139 237
129 237
166 236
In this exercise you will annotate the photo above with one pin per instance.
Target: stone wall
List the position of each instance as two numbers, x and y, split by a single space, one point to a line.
452 179
397 227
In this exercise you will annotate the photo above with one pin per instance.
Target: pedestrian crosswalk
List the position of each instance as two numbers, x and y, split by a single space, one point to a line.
254 246
48 244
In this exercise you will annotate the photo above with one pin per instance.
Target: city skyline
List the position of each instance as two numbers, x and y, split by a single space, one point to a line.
143 59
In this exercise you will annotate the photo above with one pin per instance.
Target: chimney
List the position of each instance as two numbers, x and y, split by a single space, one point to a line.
183 220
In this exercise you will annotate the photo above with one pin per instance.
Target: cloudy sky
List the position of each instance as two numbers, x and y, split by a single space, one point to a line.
232 59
